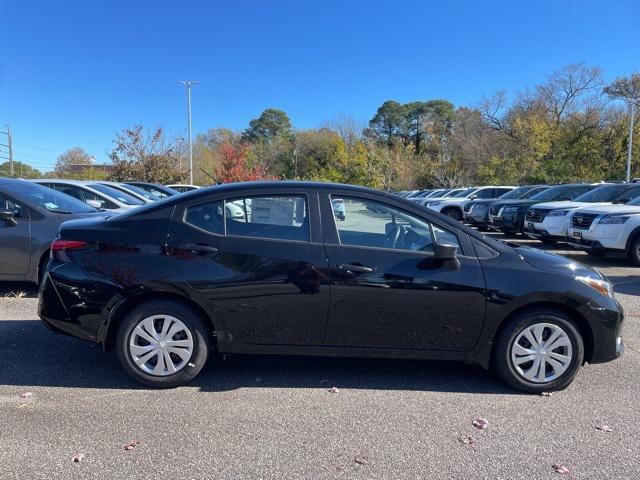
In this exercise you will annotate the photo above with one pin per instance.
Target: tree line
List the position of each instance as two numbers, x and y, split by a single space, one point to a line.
571 127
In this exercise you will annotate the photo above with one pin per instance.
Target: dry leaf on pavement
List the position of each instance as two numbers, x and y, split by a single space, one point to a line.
481 423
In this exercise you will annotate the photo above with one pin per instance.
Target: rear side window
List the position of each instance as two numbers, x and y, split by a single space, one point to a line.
208 217
275 217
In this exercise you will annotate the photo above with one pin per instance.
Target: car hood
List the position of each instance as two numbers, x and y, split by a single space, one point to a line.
567 204
610 209
550 262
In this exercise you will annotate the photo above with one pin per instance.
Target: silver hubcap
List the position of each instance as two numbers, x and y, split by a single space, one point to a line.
541 353
160 345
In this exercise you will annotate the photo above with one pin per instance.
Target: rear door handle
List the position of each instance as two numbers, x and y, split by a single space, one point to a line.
347 267
201 247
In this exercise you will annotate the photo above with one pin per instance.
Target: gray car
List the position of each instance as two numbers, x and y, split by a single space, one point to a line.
30 215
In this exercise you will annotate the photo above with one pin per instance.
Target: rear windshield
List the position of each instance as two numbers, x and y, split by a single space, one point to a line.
47 198
116 194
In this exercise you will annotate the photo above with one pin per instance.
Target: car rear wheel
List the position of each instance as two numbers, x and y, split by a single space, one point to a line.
162 344
538 351
453 213
634 251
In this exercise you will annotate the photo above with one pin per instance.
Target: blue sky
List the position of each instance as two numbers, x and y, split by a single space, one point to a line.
73 73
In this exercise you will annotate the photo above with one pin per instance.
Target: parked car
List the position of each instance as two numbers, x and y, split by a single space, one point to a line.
132 190
550 221
181 187
30 215
93 193
508 216
156 189
609 229
169 282
452 206
441 194
477 212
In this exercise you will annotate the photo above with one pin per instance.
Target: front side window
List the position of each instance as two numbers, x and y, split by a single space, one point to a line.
275 217
368 223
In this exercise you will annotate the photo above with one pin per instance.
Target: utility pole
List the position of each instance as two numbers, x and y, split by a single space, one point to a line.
9 145
188 83
632 110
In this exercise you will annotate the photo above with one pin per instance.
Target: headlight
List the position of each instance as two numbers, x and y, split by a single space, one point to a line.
613 219
602 286
558 213
433 204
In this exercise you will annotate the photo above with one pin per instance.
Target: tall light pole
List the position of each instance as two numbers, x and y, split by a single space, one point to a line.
188 83
632 109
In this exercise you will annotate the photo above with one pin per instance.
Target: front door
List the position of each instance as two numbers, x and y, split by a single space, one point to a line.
387 288
15 240
259 263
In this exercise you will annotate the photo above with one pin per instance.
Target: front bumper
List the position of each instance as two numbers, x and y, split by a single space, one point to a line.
606 324
603 237
553 228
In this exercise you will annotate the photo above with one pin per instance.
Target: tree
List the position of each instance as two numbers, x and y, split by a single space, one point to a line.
234 168
74 156
20 169
387 123
147 157
271 123
625 88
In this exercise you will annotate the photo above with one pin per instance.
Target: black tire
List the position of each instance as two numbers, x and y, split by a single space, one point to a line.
453 213
634 251
42 267
503 364
199 334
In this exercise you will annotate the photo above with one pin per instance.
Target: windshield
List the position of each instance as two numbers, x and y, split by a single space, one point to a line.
515 193
635 201
561 192
134 189
116 194
532 192
465 193
438 193
606 193
451 193
47 198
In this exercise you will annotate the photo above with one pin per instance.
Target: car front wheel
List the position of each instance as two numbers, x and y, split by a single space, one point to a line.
634 251
453 213
538 351
162 344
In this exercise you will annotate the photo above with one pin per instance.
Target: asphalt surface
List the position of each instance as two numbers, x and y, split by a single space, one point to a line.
273 417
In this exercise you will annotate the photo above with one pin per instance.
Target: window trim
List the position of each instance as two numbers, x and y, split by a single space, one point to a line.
461 248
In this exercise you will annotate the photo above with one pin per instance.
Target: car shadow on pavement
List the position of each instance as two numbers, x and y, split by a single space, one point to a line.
33 356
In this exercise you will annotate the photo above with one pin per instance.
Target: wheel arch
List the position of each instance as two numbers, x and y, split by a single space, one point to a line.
110 331
581 323
635 233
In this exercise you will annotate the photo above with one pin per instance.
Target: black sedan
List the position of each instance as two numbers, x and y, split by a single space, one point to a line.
30 215
171 281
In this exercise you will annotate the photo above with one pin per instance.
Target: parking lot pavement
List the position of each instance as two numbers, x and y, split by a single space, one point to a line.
274 417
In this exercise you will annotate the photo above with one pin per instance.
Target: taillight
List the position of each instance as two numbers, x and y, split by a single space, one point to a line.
60 249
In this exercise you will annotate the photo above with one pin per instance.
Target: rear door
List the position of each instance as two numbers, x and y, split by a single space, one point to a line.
387 288
15 239
258 261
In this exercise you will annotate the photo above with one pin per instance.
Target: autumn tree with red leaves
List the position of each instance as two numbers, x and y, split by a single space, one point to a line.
235 168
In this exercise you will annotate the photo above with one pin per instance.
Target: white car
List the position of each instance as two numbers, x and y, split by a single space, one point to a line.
607 229
453 206
549 222
93 193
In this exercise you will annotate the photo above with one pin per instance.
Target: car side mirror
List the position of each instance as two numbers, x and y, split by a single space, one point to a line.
448 254
94 203
8 216
473 197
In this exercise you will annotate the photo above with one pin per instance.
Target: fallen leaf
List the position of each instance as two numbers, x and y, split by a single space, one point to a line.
131 445
546 394
467 439
561 469
333 390
77 458
481 423
360 460
26 394
604 428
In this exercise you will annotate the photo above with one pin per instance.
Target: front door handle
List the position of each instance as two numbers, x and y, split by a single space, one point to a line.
350 268
200 247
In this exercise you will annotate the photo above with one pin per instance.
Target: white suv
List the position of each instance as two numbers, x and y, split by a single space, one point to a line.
452 206
549 222
607 229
